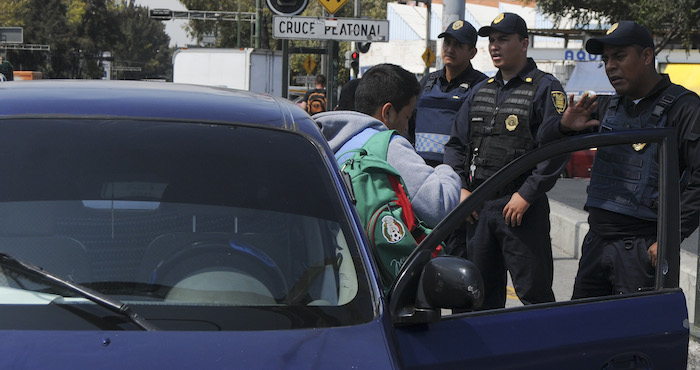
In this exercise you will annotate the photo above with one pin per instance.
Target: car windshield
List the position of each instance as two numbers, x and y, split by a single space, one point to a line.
197 226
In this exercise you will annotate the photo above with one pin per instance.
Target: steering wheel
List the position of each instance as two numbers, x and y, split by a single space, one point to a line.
221 255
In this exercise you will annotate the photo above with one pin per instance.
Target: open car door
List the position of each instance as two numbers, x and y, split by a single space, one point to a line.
632 331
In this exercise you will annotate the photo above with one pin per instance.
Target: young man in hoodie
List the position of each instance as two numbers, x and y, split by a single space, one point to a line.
384 100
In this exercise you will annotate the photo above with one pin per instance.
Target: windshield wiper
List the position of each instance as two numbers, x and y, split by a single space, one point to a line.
111 304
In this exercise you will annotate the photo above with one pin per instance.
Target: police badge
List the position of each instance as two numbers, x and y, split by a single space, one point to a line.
511 122
559 100
638 146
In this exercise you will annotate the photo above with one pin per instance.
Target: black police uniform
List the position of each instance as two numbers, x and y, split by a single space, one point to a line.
523 107
623 190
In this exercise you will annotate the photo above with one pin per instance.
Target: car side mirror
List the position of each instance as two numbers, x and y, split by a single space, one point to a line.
450 282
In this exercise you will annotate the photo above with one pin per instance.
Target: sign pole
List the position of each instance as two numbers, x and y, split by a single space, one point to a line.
332 80
285 69
258 23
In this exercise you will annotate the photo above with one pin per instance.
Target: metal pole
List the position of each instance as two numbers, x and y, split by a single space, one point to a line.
258 22
238 23
285 68
332 83
357 13
452 10
428 13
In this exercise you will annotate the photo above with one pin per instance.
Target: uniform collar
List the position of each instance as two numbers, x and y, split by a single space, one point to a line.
465 76
660 86
527 72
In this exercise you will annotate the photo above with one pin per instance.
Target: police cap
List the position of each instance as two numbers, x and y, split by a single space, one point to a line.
507 23
623 33
462 31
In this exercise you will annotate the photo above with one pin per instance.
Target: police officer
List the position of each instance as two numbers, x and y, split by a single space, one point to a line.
442 94
501 120
443 91
619 251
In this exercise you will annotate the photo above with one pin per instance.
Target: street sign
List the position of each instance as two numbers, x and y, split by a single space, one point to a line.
338 29
11 35
162 14
287 7
428 57
309 64
305 79
332 6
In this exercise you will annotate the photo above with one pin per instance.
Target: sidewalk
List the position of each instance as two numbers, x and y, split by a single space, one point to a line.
568 228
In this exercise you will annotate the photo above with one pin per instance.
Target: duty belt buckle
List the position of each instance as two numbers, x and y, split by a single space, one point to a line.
629 243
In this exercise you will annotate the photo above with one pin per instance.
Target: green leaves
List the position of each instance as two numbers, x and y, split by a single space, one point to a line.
674 22
80 31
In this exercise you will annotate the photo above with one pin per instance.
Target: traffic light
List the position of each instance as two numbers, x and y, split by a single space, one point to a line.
355 61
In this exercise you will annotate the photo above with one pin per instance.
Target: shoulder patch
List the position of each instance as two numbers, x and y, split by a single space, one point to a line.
559 100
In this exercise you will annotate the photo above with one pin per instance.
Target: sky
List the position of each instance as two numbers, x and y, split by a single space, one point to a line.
178 36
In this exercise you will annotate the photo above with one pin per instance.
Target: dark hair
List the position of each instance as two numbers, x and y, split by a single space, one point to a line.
346 101
321 80
385 83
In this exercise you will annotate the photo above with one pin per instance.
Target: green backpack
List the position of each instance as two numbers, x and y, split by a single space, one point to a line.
382 202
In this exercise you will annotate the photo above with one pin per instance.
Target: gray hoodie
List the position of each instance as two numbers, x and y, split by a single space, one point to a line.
434 192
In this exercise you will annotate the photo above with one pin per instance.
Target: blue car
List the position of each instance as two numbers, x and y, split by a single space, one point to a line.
157 225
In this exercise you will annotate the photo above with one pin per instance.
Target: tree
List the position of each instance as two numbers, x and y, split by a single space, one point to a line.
674 21
151 54
44 23
12 12
96 31
79 31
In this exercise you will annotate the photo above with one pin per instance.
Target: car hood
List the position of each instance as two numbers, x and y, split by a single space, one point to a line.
361 346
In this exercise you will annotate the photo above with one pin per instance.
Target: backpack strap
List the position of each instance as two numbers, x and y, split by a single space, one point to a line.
409 217
356 142
378 144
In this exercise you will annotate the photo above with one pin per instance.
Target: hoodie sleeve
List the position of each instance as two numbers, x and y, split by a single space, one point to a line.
434 192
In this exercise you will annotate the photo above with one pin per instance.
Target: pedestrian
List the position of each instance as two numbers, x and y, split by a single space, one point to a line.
500 120
443 91
384 100
6 69
619 252
314 100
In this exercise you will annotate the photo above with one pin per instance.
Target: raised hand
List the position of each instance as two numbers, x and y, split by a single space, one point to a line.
577 116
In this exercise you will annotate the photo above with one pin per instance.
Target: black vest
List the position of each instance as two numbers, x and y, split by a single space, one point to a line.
624 178
500 133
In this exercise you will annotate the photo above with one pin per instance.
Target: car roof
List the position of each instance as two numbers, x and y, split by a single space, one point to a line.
142 99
